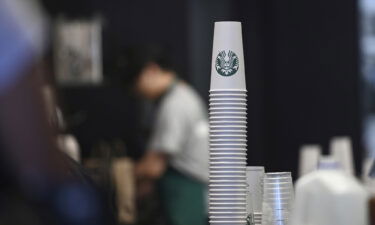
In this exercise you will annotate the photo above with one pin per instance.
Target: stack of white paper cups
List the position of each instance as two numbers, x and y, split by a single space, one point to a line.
227 188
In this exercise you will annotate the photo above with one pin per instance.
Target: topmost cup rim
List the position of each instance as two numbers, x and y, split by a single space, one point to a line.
228 90
278 174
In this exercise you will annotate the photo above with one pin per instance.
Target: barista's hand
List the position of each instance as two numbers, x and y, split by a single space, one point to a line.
145 187
151 166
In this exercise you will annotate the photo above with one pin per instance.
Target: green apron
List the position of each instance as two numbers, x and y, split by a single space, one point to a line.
183 198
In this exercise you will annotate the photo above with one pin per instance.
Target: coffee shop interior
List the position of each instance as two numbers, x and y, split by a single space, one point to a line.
108 112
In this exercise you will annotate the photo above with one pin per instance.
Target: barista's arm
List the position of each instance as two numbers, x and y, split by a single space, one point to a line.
152 165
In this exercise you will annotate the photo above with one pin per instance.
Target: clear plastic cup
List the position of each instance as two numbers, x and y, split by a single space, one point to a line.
278 197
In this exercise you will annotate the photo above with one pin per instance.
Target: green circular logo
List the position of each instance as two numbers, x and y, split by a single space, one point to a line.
227 63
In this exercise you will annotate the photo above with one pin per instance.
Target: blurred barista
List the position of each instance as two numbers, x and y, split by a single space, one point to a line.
177 154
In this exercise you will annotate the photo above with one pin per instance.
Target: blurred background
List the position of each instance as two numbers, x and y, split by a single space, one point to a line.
309 73
302 67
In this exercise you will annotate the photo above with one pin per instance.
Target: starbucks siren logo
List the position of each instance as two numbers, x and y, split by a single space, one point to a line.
227 64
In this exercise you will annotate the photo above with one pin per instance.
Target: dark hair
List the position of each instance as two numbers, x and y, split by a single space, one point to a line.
131 60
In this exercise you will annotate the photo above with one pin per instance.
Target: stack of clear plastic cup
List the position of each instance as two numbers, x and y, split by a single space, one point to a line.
278 197
254 179
227 114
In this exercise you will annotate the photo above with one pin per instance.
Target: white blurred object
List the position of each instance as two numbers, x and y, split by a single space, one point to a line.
23 34
69 144
368 181
78 52
330 197
329 163
30 18
308 159
341 149
254 178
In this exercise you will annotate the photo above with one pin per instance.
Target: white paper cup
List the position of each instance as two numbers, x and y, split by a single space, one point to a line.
308 159
230 203
227 99
228 127
221 94
213 91
228 163
228 150
229 131
228 141
224 209
341 149
225 152
227 222
218 155
228 113
226 185
228 123
219 207
227 120
229 167
229 105
235 145
230 195
234 178
227 109
226 173
227 177
227 38
227 159
221 172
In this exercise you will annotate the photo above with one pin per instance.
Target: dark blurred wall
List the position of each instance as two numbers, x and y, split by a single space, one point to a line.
308 83
301 62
